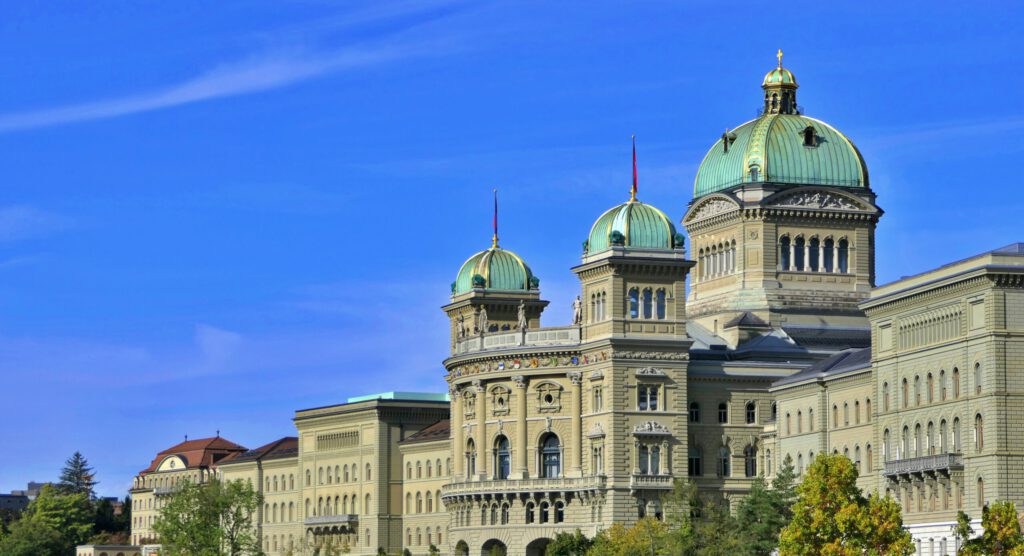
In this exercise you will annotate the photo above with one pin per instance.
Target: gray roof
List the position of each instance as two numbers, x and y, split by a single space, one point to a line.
845 361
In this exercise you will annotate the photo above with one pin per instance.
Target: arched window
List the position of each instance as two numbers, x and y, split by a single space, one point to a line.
885 396
775 411
408 469
799 464
813 255
799 422
846 414
723 413
750 461
856 458
867 410
419 502
367 476
648 303
798 253
870 455
694 412
835 416
930 385
320 475
504 513
784 253
856 412
694 462
767 462
906 393
502 461
655 460
956 383
661 304
979 433
886 445
544 512
309 479
956 435
634 303
724 458
942 385
470 458
981 492
843 255
551 457
917 439
917 390
529 512
905 444
930 438
789 425
830 259
559 511
810 419
419 469
977 378
430 502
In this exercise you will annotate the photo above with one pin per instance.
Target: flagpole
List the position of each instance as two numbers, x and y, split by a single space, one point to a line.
632 192
495 239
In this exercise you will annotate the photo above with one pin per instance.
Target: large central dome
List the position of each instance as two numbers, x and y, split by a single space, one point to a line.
781 146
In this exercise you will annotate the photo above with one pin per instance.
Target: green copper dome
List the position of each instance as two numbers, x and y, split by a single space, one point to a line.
494 269
633 224
781 146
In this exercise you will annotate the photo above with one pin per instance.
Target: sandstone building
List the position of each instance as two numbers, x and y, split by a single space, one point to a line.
781 346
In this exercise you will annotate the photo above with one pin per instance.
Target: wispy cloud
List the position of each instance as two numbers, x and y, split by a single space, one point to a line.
274 71
18 222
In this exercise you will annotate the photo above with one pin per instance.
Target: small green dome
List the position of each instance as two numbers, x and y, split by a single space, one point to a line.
633 224
779 76
781 148
494 269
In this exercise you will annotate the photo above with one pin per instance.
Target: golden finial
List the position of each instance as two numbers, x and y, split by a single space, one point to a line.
494 240
779 56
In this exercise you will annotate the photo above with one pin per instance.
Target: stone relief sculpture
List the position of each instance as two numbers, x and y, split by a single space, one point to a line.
711 208
818 199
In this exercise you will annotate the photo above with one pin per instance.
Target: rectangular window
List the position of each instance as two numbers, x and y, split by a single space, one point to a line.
647 397
598 399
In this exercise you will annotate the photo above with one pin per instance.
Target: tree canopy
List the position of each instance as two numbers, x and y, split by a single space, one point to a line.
210 519
77 476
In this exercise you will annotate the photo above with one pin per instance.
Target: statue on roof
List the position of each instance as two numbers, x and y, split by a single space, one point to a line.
481 320
523 323
577 310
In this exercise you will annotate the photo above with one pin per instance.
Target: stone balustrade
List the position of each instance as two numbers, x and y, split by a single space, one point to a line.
340 519
516 487
540 338
938 463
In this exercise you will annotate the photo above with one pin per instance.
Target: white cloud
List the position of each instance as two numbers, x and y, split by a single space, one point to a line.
19 222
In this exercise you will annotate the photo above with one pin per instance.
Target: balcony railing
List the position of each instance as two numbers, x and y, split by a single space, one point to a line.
939 463
340 519
662 482
527 486
543 337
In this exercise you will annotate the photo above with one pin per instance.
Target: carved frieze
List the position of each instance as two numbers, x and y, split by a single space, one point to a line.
818 200
651 428
650 372
712 207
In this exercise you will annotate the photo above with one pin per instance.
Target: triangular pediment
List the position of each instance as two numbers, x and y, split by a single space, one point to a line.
712 205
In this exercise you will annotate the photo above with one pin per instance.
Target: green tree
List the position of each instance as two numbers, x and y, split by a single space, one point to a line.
832 518
1001 532
765 511
210 519
962 531
29 537
433 550
569 544
77 476
649 536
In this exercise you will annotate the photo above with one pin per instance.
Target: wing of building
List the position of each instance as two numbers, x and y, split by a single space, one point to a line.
781 348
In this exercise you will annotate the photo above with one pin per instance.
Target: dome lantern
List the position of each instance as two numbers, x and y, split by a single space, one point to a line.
780 90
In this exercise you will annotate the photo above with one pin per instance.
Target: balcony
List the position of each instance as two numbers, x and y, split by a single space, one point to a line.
322 520
163 491
939 464
651 482
543 337
512 487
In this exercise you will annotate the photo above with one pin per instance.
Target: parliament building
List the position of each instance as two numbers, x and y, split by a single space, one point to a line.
781 346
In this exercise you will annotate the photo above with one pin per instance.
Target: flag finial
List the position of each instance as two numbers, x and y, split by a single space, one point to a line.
779 56
632 191
494 240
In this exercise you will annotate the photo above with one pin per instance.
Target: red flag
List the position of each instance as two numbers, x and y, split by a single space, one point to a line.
633 191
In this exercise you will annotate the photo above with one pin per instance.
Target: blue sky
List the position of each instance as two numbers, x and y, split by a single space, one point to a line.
213 214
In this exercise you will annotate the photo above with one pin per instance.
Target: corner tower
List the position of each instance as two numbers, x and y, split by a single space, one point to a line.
782 224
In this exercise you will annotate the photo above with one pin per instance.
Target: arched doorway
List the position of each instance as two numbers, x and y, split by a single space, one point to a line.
494 547
461 549
537 547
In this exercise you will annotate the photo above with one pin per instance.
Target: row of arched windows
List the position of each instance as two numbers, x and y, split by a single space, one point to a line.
935 326
931 389
549 463
717 260
339 505
278 483
275 513
339 475
927 441
846 421
869 454
432 469
277 543
419 507
749 412
598 306
695 462
419 537
647 304
814 255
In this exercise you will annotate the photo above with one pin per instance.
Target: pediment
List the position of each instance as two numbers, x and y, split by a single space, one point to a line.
819 199
712 205
173 463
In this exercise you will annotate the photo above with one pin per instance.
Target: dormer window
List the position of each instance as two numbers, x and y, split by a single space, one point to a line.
810 138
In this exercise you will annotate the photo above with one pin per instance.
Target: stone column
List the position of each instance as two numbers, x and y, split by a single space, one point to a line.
821 256
663 465
792 253
636 456
576 377
807 255
522 470
835 256
458 435
481 419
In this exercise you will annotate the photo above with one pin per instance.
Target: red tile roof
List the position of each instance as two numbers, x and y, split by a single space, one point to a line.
440 430
202 452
